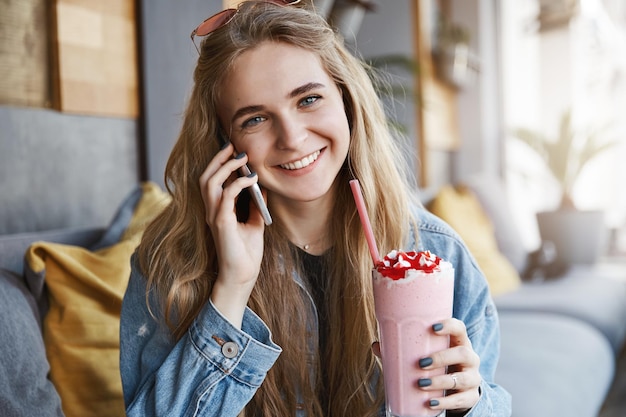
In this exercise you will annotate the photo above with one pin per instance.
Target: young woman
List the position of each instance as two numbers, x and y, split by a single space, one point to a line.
224 315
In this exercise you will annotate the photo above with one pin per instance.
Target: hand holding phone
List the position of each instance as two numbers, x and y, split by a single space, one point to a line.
257 196
254 190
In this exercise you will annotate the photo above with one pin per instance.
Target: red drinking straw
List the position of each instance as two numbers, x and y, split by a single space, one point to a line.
365 221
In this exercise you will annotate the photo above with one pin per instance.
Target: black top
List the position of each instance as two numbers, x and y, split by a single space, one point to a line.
315 271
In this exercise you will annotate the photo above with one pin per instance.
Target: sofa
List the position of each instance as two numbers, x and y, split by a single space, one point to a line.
562 326
561 335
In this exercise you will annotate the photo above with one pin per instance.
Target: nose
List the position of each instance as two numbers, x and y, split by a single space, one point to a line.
291 132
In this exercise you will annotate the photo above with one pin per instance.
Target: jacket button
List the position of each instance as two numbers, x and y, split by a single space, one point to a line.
489 310
230 349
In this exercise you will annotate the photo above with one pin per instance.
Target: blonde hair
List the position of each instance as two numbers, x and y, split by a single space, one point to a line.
178 254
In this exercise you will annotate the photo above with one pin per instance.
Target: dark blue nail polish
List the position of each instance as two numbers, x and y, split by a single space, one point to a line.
433 403
251 175
241 155
424 362
424 382
225 145
437 327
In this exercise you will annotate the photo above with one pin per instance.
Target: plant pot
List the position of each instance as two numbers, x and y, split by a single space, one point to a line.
578 236
456 65
347 16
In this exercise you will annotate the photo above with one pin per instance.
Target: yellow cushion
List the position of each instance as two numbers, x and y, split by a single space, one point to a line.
81 328
463 212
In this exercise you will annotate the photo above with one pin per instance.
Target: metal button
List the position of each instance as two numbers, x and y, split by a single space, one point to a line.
489 310
230 349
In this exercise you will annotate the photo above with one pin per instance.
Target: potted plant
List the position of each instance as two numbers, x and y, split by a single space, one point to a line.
455 63
579 236
347 16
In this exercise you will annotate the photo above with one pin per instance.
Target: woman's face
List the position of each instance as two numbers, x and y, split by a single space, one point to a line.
281 107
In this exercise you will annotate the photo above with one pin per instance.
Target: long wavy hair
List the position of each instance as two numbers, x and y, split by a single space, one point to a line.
178 255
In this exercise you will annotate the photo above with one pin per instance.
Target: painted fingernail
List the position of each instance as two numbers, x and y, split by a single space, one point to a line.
251 175
225 145
433 403
424 382
437 327
241 155
424 362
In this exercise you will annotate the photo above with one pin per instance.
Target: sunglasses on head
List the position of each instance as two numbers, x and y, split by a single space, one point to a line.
211 24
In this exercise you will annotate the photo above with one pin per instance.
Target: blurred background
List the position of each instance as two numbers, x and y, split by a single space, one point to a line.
521 101
469 78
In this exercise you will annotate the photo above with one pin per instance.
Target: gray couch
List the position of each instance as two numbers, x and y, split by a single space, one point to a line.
561 335
25 387
560 341
62 178
560 338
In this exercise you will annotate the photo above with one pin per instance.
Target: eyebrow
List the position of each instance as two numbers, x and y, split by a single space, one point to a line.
305 88
246 110
294 93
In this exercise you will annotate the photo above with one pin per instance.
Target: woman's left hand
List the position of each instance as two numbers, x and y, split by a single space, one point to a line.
463 378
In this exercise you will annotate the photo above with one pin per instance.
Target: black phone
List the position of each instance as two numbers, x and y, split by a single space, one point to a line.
253 192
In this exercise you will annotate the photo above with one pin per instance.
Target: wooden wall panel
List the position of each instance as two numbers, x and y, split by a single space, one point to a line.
24 66
95 57
438 99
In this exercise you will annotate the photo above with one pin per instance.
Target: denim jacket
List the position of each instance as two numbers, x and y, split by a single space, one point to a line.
215 369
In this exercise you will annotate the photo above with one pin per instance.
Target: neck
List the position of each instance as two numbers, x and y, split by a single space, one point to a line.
306 223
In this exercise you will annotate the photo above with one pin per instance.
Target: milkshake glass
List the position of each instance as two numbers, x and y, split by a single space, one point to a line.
412 291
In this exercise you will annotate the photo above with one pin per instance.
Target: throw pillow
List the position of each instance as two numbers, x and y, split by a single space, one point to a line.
81 329
463 212
25 389
491 193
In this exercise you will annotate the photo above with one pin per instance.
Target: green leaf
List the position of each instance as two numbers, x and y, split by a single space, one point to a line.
566 155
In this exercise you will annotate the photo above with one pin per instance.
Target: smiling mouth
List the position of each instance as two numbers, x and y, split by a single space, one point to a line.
302 163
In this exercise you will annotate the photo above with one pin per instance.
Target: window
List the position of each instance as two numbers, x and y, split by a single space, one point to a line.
570 56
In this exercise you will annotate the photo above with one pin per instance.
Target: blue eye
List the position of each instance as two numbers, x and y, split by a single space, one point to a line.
252 121
307 101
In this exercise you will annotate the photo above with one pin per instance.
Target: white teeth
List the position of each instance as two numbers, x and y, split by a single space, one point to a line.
304 162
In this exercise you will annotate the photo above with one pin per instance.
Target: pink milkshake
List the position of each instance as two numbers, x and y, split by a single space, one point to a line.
412 291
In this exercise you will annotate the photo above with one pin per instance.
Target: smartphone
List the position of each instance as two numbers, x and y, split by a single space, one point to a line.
253 192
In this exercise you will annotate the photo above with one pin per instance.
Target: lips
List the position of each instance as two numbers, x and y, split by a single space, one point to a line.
302 163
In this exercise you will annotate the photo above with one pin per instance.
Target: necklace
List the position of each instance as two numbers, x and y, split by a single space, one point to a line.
307 246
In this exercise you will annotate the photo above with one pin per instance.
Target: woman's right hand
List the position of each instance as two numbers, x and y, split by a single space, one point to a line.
239 245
